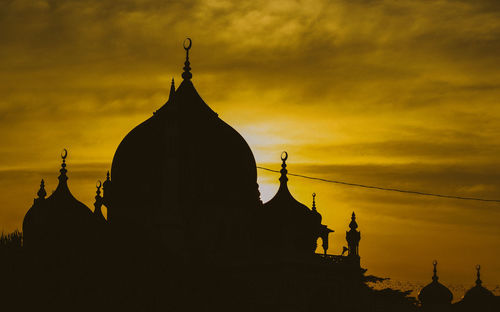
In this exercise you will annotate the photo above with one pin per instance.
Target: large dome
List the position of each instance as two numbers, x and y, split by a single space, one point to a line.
185 176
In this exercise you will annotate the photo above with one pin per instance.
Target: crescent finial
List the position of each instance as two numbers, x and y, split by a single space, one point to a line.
284 156
186 75
187 43
98 184
64 153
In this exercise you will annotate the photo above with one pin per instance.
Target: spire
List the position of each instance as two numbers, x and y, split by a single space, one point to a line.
478 280
62 187
283 171
435 277
186 75
106 187
106 181
317 216
172 90
62 177
353 225
41 192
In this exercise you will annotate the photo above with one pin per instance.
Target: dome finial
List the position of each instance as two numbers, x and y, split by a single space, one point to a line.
41 192
435 277
353 225
98 185
283 171
64 154
284 157
478 280
314 202
186 75
63 170
172 90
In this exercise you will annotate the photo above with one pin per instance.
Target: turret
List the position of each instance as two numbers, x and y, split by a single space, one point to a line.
353 236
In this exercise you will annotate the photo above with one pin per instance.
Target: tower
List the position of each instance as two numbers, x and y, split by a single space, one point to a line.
353 236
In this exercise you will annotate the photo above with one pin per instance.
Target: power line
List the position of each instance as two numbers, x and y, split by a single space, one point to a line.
386 188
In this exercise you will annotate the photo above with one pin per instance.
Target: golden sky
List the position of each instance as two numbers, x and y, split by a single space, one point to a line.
393 93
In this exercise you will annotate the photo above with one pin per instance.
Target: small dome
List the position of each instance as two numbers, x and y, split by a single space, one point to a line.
59 221
478 294
435 293
295 224
284 201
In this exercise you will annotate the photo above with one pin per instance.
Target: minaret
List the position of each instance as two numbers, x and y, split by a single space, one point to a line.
353 237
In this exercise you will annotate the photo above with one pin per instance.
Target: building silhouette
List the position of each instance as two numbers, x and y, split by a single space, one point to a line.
59 225
186 230
437 297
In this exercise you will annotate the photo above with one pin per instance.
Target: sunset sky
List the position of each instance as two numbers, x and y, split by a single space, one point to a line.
401 94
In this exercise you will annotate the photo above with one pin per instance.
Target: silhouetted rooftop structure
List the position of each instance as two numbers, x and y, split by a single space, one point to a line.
478 298
59 222
435 296
185 178
186 231
478 293
295 227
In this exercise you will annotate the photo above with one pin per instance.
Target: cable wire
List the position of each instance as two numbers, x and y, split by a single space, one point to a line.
386 188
